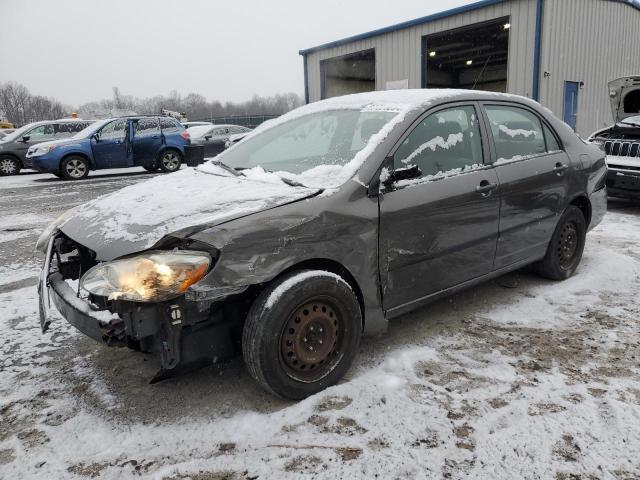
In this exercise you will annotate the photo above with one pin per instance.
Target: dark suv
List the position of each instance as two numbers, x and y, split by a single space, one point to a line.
14 147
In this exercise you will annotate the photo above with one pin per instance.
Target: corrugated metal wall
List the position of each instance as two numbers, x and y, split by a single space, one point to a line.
398 54
592 41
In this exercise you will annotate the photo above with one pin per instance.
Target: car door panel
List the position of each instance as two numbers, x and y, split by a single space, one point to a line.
437 235
146 141
533 176
111 147
439 230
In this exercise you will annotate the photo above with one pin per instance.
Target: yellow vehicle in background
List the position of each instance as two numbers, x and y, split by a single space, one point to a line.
6 124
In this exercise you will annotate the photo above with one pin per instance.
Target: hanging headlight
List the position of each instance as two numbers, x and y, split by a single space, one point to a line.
151 277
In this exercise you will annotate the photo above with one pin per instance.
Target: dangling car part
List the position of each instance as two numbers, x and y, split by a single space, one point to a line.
621 141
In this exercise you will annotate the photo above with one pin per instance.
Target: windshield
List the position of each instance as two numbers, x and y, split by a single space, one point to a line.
312 149
632 121
91 129
19 132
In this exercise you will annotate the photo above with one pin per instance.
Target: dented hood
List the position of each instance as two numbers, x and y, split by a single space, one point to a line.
137 217
623 106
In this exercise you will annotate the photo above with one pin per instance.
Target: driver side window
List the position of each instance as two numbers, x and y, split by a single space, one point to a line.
442 144
114 130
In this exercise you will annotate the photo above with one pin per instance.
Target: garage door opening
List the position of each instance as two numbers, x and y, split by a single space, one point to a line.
473 57
352 73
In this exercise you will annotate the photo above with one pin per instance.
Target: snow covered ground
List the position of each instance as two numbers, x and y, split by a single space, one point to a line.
517 378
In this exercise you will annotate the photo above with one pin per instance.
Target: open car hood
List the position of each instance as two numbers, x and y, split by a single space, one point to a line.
137 217
618 91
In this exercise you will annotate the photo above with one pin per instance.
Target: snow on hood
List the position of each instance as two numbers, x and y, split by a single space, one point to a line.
138 216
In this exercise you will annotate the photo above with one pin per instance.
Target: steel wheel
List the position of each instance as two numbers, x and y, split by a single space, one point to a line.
309 341
567 244
9 166
170 161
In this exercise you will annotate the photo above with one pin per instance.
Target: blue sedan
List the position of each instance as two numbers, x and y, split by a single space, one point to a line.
152 142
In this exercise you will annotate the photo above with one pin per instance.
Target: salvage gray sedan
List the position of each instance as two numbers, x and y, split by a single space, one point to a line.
320 227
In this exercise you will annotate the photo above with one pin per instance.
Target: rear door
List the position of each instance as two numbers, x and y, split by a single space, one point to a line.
533 172
146 140
439 230
217 142
110 145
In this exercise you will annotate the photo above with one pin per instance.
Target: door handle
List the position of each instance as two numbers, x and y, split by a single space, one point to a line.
486 187
560 168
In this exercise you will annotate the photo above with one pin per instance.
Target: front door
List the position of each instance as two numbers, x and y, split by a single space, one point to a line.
216 143
146 141
110 145
438 230
571 90
532 169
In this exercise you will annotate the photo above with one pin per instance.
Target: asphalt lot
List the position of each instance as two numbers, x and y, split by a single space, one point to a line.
517 378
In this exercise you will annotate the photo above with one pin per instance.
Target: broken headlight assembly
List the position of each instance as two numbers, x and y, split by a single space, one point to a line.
154 276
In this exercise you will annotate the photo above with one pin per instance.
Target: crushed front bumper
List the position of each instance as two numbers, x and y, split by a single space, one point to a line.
184 336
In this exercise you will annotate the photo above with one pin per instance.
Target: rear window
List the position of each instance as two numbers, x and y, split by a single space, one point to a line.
169 125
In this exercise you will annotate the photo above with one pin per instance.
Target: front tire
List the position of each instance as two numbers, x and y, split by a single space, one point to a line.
302 333
9 166
564 252
170 161
74 168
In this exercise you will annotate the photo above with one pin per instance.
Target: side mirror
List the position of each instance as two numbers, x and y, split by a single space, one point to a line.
95 137
207 137
407 173
25 138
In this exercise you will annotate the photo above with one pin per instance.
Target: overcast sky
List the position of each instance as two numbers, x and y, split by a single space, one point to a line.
77 50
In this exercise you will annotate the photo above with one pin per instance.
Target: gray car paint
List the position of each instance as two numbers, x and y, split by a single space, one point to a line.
371 235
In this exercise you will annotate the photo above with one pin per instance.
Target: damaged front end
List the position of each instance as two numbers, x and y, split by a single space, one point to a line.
621 141
145 302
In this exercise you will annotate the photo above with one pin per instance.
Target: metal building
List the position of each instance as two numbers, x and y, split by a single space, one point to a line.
559 52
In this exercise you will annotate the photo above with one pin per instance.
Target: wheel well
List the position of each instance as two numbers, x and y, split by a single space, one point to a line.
82 155
11 155
333 267
584 205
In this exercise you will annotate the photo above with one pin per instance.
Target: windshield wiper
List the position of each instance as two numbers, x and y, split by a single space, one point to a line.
226 167
292 183
633 124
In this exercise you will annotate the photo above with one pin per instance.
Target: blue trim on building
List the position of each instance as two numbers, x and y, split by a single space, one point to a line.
306 80
422 20
537 51
403 25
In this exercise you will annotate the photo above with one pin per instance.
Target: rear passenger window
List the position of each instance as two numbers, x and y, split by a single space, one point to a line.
444 143
169 125
552 141
146 126
517 133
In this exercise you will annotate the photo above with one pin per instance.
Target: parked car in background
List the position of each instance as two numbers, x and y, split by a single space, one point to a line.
322 226
14 147
215 137
233 139
149 141
621 141
195 124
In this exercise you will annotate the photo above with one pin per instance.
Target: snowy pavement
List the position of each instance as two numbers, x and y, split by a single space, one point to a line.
516 378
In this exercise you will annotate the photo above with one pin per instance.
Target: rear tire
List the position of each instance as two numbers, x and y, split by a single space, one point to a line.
564 252
302 333
9 165
170 161
74 168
